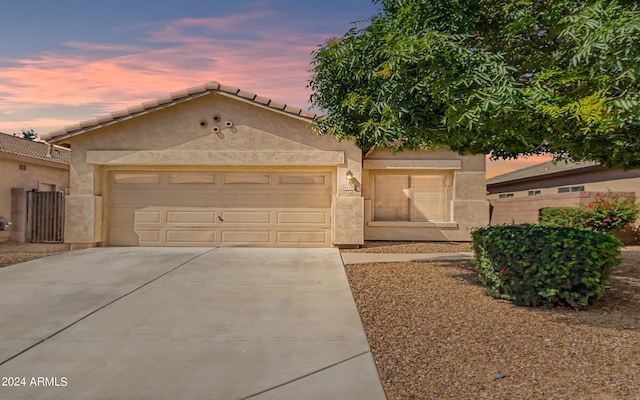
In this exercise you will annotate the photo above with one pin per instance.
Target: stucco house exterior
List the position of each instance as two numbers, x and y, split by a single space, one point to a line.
27 166
217 166
516 197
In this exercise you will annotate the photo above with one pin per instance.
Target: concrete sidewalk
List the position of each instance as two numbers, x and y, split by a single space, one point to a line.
225 323
366 258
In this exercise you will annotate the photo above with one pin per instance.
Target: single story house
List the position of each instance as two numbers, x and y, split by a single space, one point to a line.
517 196
27 166
217 166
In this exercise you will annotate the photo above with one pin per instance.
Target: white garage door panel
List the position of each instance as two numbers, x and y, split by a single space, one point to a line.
221 209
175 237
247 199
151 217
198 217
303 218
248 237
305 238
246 217
149 236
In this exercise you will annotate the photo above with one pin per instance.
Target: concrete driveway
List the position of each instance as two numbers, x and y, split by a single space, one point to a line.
183 323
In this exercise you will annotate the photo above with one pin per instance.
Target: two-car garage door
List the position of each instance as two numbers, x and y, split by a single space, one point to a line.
220 208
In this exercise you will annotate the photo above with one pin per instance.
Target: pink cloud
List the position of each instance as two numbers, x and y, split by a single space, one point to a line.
110 77
499 167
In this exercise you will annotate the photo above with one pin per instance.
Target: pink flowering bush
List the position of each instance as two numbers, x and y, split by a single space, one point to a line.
610 214
606 214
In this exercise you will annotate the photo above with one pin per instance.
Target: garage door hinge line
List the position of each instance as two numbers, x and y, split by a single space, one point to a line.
305 376
104 306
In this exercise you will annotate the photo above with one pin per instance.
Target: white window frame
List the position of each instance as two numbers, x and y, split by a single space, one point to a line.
571 189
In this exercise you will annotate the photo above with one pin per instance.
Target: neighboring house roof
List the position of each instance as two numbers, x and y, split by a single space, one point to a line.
16 146
542 170
175 98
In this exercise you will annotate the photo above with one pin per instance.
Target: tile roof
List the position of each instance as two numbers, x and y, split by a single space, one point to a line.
10 144
175 98
540 170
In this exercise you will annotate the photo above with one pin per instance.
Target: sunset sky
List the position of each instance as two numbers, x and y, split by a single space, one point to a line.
65 61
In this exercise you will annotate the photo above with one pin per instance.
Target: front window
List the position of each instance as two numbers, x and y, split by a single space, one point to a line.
409 197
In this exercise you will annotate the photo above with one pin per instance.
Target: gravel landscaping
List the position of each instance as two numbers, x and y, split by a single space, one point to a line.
15 253
412 247
435 334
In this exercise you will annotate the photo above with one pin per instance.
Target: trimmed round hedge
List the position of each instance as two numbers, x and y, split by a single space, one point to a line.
534 265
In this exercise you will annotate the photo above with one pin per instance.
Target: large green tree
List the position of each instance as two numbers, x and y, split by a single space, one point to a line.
500 77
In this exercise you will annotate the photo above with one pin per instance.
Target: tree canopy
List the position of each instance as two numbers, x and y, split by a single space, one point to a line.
501 77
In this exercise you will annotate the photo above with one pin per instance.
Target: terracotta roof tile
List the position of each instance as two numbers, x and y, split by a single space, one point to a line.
136 109
119 114
180 94
172 98
262 100
74 127
275 104
308 114
104 118
89 123
229 89
37 150
164 100
247 95
292 110
150 104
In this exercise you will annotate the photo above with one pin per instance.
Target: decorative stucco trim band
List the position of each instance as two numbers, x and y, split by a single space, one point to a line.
200 157
412 164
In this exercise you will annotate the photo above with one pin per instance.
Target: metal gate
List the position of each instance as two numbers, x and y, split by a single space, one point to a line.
45 217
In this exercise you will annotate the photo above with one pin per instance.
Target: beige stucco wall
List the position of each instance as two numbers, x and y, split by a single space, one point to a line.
37 173
617 185
464 185
181 137
523 208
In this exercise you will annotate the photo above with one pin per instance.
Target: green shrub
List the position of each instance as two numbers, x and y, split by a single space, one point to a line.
535 265
576 217
606 214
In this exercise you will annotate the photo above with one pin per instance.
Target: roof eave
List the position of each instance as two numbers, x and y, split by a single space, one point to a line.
61 135
55 139
555 174
279 108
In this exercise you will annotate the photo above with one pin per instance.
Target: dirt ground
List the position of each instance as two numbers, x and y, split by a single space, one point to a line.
379 246
15 253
